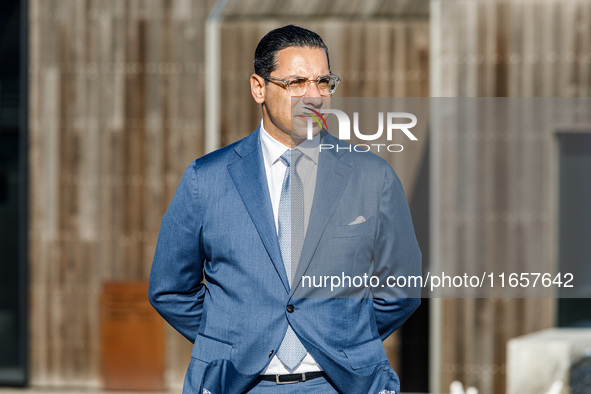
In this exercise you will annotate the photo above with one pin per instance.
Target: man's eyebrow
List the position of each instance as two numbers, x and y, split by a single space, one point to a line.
300 76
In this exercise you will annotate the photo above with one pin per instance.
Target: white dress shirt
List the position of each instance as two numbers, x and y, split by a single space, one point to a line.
275 170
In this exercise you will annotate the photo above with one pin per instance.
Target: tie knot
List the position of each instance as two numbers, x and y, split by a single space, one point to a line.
292 156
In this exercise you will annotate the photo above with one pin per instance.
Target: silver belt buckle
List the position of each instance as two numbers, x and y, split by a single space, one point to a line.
293 381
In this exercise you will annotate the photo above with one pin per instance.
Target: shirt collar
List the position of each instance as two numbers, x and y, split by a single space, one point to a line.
273 149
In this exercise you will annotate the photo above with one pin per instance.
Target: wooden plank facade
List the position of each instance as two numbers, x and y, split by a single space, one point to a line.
117 102
116 115
494 204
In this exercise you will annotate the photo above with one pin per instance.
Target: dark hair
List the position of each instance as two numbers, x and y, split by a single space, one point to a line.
281 38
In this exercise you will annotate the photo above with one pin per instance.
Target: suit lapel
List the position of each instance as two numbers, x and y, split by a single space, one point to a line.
331 179
248 174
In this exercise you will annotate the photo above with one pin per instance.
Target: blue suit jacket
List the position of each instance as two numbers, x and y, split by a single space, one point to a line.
220 227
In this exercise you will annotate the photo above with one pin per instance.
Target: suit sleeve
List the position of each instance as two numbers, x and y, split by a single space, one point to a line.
176 288
396 253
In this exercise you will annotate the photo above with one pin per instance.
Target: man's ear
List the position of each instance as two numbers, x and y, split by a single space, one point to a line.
258 88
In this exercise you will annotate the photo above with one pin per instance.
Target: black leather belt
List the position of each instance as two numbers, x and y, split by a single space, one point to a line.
292 378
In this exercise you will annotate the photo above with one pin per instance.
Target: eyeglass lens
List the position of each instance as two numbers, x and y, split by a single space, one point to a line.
299 86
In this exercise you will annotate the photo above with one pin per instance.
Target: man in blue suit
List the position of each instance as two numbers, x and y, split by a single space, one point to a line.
250 221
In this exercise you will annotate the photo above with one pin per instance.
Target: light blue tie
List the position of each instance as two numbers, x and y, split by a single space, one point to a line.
291 238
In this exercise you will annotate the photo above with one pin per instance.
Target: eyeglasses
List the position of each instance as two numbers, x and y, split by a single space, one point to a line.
298 86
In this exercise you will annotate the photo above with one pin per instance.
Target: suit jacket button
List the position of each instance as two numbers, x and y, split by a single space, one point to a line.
270 354
290 308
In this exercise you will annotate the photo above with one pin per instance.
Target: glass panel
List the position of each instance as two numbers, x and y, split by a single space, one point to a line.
574 250
13 196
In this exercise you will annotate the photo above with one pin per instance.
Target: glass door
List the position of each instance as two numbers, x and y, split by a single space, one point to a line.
574 218
13 193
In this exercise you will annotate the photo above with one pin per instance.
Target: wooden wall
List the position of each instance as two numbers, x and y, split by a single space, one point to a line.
495 193
116 115
117 112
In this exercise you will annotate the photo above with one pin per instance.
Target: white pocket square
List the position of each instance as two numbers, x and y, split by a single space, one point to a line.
360 219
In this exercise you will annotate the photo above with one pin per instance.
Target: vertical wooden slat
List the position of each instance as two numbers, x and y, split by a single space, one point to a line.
398 60
37 351
159 70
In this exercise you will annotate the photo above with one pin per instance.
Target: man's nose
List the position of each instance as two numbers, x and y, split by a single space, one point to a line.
313 96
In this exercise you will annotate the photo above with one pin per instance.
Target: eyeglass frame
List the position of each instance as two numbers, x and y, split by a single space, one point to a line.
286 82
